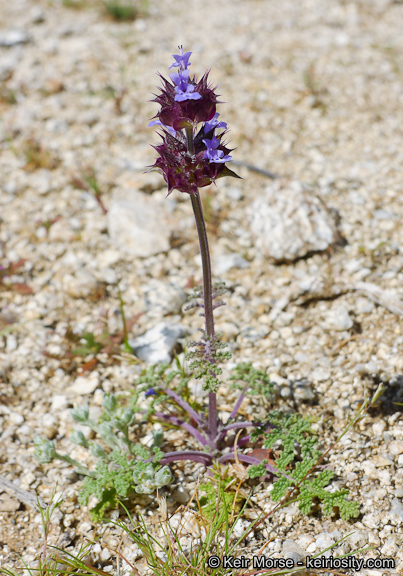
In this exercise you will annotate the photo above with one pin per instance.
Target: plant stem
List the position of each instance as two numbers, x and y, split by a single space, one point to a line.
207 287
206 265
208 302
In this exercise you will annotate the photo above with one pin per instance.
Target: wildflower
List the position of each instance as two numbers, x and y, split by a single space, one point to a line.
181 60
159 123
213 154
184 90
214 124
150 392
188 160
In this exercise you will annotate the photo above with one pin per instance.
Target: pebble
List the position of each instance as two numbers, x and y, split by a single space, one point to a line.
138 224
288 222
162 298
158 343
292 550
181 495
61 231
389 548
8 504
363 306
397 508
105 554
303 391
84 385
108 275
59 402
323 541
49 426
320 375
378 428
15 418
80 285
381 461
358 539
396 447
338 319
226 262
229 330
372 520
85 528
12 37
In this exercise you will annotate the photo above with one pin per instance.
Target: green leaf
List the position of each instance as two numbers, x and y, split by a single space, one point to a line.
257 470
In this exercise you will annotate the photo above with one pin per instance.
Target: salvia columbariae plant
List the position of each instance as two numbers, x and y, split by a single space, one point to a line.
193 154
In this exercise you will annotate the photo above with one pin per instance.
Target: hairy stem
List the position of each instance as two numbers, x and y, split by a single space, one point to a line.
207 287
206 265
208 302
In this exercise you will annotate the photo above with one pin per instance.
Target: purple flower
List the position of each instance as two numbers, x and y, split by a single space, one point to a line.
213 153
182 113
181 60
159 123
214 124
184 90
150 392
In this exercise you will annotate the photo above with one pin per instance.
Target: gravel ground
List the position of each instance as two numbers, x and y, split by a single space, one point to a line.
313 91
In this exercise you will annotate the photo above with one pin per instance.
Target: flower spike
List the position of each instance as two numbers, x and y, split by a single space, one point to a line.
188 158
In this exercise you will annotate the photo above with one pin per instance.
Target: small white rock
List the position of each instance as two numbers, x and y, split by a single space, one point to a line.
339 319
363 306
105 554
59 402
84 385
396 447
139 224
16 418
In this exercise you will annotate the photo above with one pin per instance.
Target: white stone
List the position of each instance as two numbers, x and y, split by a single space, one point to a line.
157 344
80 285
59 402
363 306
162 298
338 319
396 447
225 262
16 418
61 231
105 554
138 224
288 222
397 508
13 37
84 385
323 541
